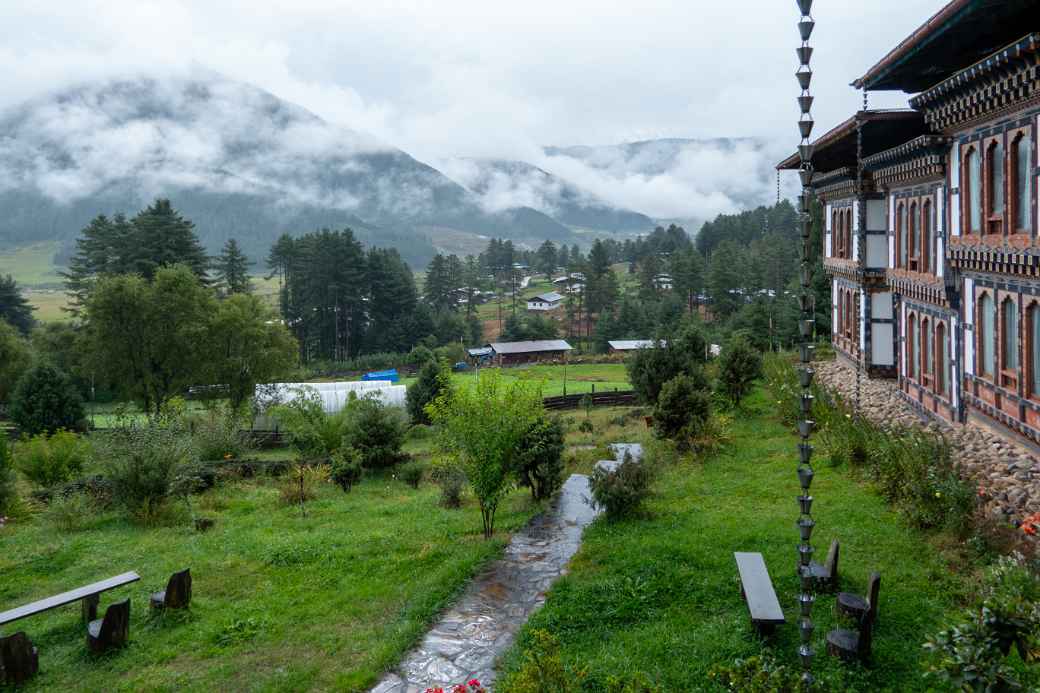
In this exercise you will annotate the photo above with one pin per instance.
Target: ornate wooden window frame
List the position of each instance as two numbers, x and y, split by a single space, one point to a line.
900 233
1012 201
993 224
1030 345
939 358
980 353
1009 377
965 187
914 333
927 236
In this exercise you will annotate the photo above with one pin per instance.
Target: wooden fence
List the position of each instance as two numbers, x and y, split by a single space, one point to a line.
599 399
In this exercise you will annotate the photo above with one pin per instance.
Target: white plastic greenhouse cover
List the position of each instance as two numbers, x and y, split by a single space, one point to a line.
287 392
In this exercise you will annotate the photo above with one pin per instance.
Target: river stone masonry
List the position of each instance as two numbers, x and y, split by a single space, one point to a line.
1007 474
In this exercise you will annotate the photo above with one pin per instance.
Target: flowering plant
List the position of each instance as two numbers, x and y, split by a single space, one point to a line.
471 686
1031 525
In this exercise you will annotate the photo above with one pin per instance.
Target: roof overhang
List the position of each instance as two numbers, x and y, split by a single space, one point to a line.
882 129
958 35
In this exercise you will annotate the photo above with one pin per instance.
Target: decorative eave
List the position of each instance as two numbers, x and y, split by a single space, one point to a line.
959 34
881 129
1006 79
919 287
840 183
1022 262
922 158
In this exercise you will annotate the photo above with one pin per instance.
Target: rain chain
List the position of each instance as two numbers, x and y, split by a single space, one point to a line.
861 240
806 329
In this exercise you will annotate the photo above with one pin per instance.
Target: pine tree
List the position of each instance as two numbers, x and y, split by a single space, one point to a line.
13 306
161 238
103 248
545 259
232 269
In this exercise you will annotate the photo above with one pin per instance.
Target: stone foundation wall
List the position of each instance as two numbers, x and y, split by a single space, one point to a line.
1007 473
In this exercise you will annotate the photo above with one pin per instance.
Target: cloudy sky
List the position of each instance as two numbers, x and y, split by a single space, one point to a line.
447 78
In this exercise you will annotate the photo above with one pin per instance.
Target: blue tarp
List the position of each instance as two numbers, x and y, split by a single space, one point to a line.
390 375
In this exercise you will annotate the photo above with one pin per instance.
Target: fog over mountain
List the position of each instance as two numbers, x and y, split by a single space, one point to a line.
245 164
235 159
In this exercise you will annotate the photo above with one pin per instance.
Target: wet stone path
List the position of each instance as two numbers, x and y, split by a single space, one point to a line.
464 644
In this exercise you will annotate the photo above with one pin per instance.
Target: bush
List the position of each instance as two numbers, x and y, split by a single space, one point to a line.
376 431
48 460
220 438
760 674
8 491
142 462
433 379
419 356
45 400
540 458
451 481
586 426
346 469
621 493
70 512
302 485
314 433
740 366
542 668
682 411
411 473
971 655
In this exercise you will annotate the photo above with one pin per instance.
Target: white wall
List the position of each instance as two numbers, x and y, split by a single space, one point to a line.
876 215
877 252
881 351
881 305
968 298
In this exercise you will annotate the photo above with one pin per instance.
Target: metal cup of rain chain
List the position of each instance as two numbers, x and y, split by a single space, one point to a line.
805 451
806 654
805 504
805 554
806 327
805 427
805 376
806 352
806 628
805 528
805 477
805 604
807 401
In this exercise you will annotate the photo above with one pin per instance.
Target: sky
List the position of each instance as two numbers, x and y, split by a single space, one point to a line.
451 78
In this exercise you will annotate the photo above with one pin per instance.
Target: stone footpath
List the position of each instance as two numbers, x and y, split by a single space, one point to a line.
1007 473
468 638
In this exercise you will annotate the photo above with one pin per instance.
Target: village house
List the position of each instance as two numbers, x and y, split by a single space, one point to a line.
515 353
545 302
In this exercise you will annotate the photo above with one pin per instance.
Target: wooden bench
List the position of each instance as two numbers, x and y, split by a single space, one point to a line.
757 590
90 595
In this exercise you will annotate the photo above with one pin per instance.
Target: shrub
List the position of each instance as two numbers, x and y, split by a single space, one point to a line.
760 674
142 462
411 473
433 379
682 411
48 460
219 438
419 356
740 366
542 668
451 481
586 426
314 433
540 458
8 490
971 654
621 492
70 512
302 484
346 469
45 400
376 431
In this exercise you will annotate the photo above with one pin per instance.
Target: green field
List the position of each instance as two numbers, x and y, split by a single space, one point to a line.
579 378
32 265
280 602
658 596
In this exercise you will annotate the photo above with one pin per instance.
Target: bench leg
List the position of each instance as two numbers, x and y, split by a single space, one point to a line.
90 607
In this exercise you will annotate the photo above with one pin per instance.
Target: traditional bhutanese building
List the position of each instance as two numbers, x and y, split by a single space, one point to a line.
965 258
863 313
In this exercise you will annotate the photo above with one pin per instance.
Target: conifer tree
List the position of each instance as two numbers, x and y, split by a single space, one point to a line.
163 238
232 269
14 308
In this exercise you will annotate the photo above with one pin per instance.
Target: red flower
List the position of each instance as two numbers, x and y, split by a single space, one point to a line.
473 683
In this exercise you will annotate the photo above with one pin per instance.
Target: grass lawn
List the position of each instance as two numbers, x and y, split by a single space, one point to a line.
33 264
660 596
580 378
281 602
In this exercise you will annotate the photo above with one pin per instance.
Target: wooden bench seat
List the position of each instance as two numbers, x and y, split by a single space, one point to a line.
88 594
757 590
